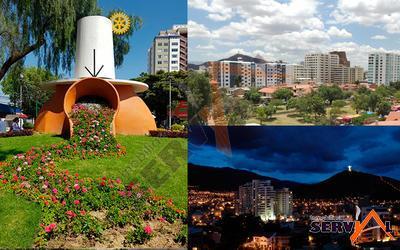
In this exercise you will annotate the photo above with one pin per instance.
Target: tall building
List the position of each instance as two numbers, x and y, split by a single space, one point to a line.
356 74
297 73
321 66
383 68
284 202
233 74
169 50
340 74
342 57
275 73
257 198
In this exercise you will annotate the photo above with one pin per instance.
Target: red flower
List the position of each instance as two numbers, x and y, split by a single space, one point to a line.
83 212
1 176
148 230
66 190
84 190
50 228
55 191
63 203
77 202
4 181
77 187
15 178
70 214
118 180
102 183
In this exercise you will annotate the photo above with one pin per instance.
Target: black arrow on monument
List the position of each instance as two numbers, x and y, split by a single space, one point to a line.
94 74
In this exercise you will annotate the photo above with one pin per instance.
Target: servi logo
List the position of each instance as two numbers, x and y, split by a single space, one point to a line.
344 224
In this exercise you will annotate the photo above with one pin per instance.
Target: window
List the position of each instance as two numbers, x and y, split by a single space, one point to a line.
165 50
174 56
174 62
159 44
174 44
165 44
159 56
174 50
159 62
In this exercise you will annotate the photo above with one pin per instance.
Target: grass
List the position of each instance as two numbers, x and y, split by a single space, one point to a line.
160 163
18 221
15 145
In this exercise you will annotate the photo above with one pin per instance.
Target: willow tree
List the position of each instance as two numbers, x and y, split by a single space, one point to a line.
48 29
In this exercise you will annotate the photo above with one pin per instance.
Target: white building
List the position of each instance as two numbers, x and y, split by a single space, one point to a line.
284 202
297 73
356 74
169 50
257 198
383 68
321 66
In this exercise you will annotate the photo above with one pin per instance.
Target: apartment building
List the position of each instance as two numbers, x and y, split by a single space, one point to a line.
275 73
321 65
356 74
257 198
297 73
383 68
283 202
168 51
341 74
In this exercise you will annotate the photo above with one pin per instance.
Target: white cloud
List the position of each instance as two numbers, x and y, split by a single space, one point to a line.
384 13
197 30
205 47
217 9
379 37
342 33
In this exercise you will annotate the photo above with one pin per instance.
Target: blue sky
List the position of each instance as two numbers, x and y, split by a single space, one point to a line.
288 29
156 14
293 152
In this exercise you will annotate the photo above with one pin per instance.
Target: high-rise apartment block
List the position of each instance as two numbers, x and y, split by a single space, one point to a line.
297 73
283 202
260 199
383 68
169 50
232 74
321 66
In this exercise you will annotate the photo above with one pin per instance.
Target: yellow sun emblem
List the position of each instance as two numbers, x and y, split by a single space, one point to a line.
120 23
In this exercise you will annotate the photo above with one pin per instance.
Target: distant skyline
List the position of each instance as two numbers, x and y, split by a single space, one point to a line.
157 15
288 29
301 154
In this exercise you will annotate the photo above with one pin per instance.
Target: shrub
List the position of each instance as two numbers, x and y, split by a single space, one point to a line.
26 132
168 133
139 235
27 125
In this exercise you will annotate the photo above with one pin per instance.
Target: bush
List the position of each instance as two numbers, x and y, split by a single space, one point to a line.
168 133
26 132
177 127
27 125
139 235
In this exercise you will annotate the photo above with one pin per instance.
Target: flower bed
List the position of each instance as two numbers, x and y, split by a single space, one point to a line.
26 132
70 203
168 133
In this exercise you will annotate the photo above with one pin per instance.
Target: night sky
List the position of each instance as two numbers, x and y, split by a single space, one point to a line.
301 154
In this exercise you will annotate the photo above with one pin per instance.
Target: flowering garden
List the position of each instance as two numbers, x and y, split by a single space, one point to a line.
74 206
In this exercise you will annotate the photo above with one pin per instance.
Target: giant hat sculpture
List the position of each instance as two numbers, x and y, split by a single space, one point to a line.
95 78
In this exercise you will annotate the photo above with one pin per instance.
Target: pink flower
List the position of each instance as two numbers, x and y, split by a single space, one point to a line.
148 230
55 191
50 228
84 190
66 190
70 214
1 176
162 219
83 212
118 180
64 203
77 202
77 187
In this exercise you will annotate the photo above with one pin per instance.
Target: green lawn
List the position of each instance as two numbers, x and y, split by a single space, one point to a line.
160 163
18 220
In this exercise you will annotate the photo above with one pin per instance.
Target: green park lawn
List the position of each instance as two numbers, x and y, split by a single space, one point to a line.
160 163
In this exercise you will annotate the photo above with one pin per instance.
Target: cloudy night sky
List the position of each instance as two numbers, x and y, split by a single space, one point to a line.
302 154
288 29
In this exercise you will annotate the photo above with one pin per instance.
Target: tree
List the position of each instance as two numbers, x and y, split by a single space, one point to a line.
270 110
157 96
238 108
252 95
360 102
373 100
283 94
198 96
338 104
261 114
33 93
383 91
383 108
48 29
311 104
330 93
